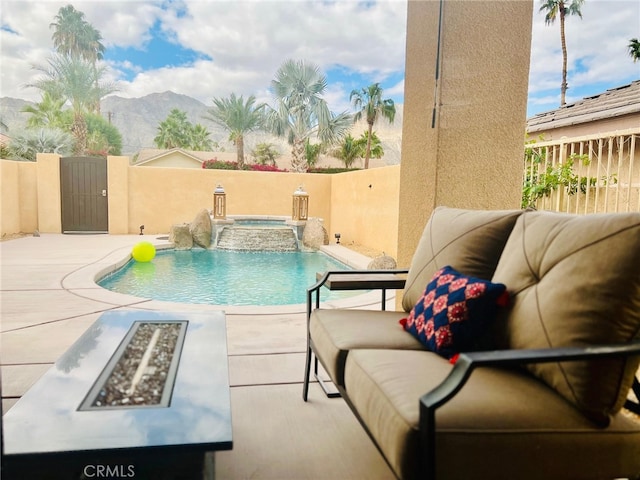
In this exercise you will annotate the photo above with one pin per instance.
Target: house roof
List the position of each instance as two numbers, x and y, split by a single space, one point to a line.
615 102
149 155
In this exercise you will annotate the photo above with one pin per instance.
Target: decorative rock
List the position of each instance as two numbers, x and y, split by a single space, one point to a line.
383 262
200 229
181 237
314 234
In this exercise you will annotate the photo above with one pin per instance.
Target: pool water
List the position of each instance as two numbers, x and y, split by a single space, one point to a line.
223 277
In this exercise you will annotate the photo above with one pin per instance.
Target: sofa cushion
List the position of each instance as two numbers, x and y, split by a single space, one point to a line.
454 311
470 241
335 332
575 281
499 421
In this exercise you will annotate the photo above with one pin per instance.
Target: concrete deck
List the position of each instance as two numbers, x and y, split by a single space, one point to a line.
49 298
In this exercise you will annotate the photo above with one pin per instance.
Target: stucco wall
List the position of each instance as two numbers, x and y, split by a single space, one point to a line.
10 196
118 194
364 208
160 197
49 199
361 205
470 156
18 198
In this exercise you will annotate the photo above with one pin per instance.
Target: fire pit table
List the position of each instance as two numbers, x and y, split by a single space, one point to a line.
139 395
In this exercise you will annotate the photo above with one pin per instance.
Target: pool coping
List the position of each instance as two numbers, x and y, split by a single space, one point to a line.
82 282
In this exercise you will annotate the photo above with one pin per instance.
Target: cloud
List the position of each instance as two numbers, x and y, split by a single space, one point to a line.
239 45
245 41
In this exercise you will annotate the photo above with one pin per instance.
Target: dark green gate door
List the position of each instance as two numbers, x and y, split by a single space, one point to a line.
83 189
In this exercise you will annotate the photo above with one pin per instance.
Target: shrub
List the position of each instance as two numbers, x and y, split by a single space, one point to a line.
331 170
214 163
263 168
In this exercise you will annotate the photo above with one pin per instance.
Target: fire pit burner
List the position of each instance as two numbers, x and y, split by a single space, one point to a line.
142 371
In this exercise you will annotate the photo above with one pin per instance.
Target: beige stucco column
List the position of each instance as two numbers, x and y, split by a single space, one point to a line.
463 134
118 194
49 202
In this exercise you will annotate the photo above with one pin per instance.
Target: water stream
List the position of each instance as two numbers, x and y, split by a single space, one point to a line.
257 238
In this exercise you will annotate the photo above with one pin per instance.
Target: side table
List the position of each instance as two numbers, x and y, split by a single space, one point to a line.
345 280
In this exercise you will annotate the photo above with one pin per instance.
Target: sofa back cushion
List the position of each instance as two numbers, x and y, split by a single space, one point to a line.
470 241
574 281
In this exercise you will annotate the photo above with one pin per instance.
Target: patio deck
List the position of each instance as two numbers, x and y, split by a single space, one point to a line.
48 299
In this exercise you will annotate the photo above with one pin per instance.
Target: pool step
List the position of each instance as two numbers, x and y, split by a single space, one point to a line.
273 239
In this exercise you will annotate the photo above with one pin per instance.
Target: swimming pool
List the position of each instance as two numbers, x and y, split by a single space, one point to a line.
224 277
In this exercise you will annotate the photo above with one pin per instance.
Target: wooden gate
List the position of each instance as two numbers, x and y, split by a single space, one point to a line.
83 189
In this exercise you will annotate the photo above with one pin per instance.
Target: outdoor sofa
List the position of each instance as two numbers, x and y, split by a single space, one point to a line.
521 400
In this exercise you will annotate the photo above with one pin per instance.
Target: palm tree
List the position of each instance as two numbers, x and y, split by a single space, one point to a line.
349 151
370 104
374 144
67 31
47 113
634 49
75 37
78 82
238 118
301 112
174 131
199 138
312 152
553 8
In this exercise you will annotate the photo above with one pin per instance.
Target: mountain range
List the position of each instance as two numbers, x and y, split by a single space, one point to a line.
137 119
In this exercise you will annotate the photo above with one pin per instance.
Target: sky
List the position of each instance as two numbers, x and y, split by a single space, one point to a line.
211 48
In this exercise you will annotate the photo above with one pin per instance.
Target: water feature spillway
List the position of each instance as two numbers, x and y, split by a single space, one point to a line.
257 238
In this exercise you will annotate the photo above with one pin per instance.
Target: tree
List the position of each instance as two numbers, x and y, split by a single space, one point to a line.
26 145
349 151
371 106
199 138
373 143
104 138
48 113
78 82
301 112
634 49
553 8
238 118
265 154
74 37
178 132
174 131
312 152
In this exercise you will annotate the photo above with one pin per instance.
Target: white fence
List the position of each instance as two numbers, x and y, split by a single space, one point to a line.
591 174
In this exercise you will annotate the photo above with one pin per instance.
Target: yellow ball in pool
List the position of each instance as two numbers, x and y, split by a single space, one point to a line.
143 252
